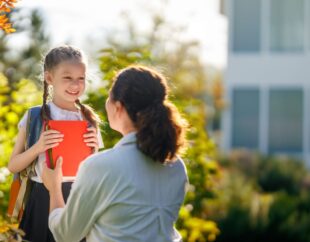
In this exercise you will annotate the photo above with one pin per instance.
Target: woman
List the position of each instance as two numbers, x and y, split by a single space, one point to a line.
132 192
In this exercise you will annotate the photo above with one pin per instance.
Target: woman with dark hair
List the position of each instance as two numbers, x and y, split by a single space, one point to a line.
132 192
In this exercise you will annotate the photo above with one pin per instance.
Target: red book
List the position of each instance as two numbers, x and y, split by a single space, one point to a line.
73 149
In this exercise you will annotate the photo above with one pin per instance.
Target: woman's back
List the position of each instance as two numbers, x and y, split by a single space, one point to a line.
132 197
146 195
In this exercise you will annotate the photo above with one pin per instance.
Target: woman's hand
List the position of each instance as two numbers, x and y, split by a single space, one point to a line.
91 138
48 139
52 179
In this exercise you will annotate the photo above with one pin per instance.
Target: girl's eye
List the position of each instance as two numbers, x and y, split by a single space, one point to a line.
67 77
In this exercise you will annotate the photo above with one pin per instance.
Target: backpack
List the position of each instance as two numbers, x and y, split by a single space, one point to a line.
21 184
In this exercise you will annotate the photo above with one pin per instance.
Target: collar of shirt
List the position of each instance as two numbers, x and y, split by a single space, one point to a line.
127 139
58 113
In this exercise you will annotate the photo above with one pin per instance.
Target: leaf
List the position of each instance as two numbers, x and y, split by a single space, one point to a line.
6 6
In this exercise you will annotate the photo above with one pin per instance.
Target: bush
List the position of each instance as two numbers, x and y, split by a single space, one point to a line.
261 198
281 174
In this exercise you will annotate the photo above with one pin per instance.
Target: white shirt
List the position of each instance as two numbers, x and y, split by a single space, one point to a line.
56 114
122 195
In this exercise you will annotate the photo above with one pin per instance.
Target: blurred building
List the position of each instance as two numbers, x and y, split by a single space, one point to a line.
268 77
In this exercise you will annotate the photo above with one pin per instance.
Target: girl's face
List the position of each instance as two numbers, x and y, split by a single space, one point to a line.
68 81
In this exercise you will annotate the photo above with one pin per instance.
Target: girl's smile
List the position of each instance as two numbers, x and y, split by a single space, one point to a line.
68 81
73 93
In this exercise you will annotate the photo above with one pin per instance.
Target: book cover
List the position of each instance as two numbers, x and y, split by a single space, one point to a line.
73 149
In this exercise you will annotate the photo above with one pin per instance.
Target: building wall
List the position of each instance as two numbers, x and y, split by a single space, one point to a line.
268 77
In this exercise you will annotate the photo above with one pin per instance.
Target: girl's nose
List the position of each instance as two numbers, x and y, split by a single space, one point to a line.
75 82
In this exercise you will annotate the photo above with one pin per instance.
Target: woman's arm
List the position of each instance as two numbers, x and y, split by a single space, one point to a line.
82 205
52 180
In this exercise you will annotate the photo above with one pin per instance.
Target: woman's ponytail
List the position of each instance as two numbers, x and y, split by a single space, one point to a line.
160 132
160 127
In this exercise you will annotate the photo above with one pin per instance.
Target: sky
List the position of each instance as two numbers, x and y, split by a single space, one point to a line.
80 21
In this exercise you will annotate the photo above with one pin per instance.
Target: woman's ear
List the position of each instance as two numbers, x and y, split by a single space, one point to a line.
119 107
48 77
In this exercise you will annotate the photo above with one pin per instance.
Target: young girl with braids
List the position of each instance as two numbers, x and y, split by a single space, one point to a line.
64 72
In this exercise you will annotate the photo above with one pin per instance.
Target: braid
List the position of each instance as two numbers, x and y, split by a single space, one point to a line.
45 112
89 114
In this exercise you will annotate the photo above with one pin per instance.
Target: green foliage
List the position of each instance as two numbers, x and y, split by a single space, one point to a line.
245 198
178 61
23 95
110 62
261 199
10 233
186 79
201 169
24 62
289 218
17 94
194 228
281 174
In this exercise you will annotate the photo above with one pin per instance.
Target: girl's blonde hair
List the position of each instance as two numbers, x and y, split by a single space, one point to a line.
53 58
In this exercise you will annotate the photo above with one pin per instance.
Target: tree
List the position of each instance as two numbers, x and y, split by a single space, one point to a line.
25 63
25 95
5 7
180 62
18 92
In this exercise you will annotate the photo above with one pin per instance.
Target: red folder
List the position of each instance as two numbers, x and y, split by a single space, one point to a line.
73 149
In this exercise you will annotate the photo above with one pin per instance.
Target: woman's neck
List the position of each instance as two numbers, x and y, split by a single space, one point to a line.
70 106
127 131
126 126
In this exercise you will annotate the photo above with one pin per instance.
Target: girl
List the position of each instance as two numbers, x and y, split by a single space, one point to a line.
64 72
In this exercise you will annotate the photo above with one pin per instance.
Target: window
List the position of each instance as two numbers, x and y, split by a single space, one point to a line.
285 120
287 25
245 118
246 25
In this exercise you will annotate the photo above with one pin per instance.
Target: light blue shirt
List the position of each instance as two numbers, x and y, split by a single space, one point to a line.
122 195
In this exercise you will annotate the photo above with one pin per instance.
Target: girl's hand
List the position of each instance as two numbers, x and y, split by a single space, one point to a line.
48 139
91 138
52 179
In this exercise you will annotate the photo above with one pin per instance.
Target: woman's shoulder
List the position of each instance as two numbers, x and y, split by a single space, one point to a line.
178 162
179 166
106 158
